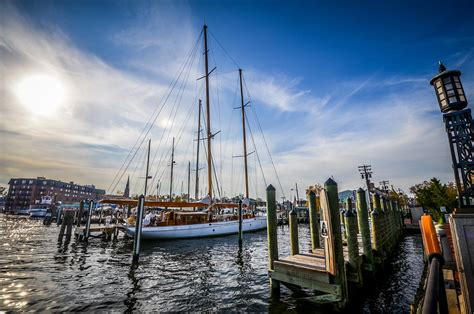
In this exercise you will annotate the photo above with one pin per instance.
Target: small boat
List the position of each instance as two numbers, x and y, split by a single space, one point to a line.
40 209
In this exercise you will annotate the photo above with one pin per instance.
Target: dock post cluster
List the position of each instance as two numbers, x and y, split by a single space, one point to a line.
342 263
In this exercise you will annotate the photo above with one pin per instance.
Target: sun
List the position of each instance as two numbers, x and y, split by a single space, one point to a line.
41 94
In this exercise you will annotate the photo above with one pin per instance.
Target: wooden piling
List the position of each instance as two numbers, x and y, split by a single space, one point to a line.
272 233
363 220
333 200
343 224
351 231
80 213
66 225
313 221
88 224
294 245
240 222
138 228
376 227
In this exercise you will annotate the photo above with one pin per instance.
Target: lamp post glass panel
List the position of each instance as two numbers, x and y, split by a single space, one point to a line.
449 90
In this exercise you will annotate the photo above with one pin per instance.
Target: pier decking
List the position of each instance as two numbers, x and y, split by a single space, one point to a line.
343 259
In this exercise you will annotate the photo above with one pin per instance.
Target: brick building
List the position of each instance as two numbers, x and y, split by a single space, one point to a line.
23 192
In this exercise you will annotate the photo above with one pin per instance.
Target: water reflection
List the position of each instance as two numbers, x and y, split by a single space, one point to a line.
38 273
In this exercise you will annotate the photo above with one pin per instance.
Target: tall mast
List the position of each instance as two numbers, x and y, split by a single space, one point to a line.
189 179
244 136
197 152
147 167
208 117
172 167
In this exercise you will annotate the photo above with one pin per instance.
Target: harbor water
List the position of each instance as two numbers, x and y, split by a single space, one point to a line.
39 274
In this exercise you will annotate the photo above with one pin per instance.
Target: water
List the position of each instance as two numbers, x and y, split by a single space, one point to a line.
38 274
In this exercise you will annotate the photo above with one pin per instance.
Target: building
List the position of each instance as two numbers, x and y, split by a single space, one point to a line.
24 192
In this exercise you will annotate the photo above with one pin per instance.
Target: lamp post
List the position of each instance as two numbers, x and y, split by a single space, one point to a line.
458 121
459 126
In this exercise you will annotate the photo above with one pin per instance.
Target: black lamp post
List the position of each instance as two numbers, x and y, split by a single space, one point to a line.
459 126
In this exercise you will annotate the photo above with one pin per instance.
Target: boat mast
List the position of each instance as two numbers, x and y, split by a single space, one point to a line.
208 117
172 167
147 167
244 136
197 152
189 179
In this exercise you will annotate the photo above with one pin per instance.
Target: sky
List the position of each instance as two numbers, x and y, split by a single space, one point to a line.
333 84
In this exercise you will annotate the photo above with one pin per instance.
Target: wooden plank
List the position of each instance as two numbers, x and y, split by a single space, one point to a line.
318 268
305 280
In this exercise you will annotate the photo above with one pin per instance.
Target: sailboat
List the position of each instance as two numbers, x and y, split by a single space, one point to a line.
214 219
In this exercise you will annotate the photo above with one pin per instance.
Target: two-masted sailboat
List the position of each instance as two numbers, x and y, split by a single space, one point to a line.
213 219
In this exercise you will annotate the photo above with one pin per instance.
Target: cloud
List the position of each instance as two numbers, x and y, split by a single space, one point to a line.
390 122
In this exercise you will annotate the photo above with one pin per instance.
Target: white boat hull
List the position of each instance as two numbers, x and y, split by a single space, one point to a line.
201 230
37 212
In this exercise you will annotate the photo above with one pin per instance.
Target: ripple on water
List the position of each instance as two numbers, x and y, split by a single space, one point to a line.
38 274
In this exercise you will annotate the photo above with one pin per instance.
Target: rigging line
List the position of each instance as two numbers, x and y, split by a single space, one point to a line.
264 140
213 165
178 97
218 107
150 125
225 51
140 163
175 109
256 151
170 88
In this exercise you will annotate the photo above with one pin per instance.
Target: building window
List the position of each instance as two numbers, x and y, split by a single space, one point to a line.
31 182
44 182
23 181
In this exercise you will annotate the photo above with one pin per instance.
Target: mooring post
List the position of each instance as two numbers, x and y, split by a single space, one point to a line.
240 223
351 231
343 225
100 216
333 200
376 225
138 228
89 218
69 221
80 213
294 245
272 234
398 219
313 221
363 220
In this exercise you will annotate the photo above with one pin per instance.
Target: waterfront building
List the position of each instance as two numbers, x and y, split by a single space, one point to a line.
24 192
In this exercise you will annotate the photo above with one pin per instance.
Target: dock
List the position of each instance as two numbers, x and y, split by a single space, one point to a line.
343 260
108 232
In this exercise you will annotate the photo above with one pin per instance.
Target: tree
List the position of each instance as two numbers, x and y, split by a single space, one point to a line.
433 194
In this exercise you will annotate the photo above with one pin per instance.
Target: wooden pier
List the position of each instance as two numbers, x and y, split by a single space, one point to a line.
346 259
109 232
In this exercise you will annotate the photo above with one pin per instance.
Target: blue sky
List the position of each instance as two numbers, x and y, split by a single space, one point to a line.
335 84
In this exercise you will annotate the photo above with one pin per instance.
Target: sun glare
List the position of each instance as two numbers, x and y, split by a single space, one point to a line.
41 94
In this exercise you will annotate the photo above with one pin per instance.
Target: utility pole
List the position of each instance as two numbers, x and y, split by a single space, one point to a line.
366 173
384 186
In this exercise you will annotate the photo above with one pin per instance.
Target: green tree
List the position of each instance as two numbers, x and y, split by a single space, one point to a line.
433 194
